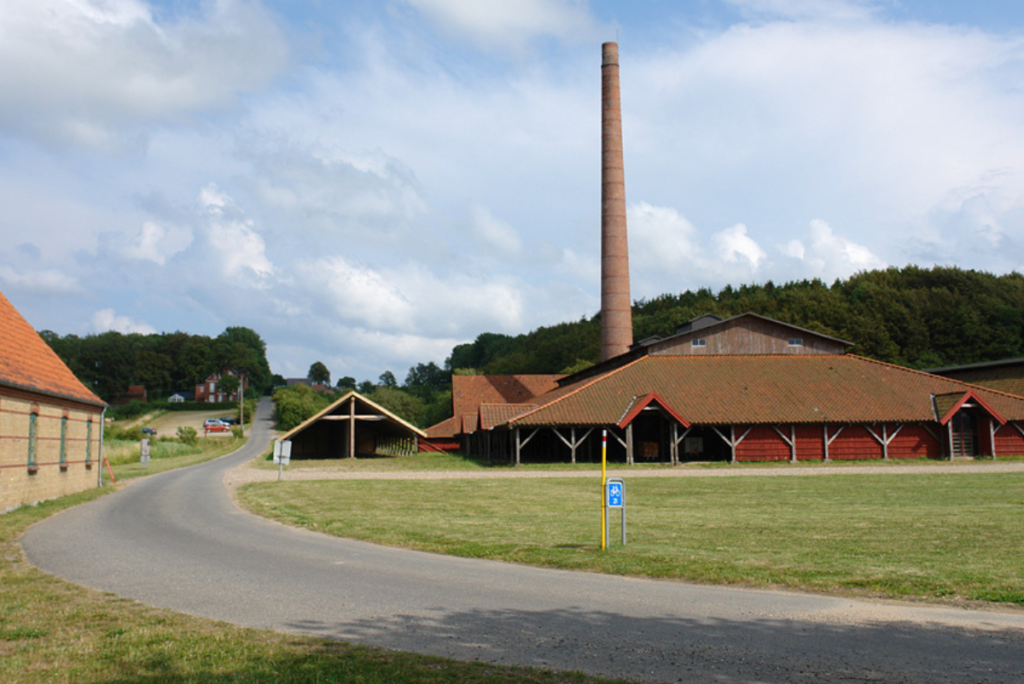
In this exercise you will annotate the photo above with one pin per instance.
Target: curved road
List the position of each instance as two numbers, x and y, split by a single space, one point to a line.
176 540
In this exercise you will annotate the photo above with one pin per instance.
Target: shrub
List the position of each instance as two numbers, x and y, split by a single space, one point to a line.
116 432
188 435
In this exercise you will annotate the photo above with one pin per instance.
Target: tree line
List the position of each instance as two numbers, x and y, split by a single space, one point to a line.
911 316
425 397
164 363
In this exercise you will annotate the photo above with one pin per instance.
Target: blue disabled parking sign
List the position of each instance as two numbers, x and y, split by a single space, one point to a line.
614 495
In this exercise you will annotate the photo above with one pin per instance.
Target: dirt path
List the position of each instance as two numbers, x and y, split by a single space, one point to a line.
244 474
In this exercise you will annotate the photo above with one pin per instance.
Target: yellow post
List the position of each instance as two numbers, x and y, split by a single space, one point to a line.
604 483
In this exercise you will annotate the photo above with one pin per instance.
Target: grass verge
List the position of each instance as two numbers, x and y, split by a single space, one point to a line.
123 455
54 631
938 537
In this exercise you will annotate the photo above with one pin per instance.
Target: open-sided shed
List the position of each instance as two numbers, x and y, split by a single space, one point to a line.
353 426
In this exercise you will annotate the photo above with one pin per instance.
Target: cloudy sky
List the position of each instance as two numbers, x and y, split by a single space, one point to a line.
369 182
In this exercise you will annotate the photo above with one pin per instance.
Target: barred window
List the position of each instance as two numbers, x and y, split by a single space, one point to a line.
88 442
33 419
64 442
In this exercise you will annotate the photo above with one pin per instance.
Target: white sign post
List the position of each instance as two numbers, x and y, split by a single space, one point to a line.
615 497
282 455
144 453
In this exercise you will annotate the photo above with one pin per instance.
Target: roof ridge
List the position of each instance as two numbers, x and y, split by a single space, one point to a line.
582 387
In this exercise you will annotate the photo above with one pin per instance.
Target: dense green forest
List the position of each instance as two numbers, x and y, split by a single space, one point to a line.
164 363
911 316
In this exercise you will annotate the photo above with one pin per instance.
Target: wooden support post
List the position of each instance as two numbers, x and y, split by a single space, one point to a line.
992 429
790 441
673 447
731 440
352 428
629 444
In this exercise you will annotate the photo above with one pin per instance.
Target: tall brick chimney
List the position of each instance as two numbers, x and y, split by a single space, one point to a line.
616 314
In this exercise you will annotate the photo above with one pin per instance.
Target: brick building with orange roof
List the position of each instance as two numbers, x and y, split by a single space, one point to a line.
748 388
51 425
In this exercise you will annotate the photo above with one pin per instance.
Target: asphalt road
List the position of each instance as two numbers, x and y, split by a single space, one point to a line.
175 540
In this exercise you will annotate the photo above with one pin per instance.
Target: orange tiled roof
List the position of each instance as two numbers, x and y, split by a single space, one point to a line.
724 390
445 429
469 392
496 414
28 363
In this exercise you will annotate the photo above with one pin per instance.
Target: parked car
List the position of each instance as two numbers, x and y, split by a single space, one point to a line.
229 420
148 431
215 425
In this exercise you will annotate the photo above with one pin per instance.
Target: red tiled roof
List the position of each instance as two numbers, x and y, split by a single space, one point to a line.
445 429
28 363
724 390
496 414
470 391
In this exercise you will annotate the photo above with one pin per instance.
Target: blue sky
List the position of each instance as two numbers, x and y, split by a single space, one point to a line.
368 184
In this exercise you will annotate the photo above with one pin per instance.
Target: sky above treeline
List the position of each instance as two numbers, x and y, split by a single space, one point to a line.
369 183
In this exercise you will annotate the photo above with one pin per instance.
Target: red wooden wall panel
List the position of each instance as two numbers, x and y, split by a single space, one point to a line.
914 441
762 443
1009 441
854 443
810 444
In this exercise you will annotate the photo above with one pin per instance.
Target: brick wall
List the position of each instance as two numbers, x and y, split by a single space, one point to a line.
66 436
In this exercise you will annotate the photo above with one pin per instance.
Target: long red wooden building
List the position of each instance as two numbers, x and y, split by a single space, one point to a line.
748 388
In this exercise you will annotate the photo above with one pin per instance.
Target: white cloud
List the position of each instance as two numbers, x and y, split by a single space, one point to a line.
75 72
510 24
494 233
46 281
106 320
233 241
829 256
834 10
333 190
661 238
158 243
732 244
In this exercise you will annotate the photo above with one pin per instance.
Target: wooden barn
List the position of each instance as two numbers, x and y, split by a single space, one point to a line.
748 388
353 426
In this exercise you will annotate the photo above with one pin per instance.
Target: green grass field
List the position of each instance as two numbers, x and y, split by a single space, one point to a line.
938 537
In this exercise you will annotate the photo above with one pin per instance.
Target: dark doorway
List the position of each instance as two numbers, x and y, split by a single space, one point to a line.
965 433
703 444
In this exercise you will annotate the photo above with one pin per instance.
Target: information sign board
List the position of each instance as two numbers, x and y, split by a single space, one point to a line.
614 494
282 452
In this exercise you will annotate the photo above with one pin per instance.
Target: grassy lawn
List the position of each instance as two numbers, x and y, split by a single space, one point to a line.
937 537
54 631
123 455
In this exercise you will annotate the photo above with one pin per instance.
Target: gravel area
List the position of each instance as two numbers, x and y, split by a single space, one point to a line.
244 474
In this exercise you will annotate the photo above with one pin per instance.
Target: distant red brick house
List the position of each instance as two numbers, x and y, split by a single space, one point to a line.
51 425
135 393
208 391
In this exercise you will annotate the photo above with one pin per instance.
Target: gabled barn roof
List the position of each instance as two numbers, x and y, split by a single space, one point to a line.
365 407
724 390
27 362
